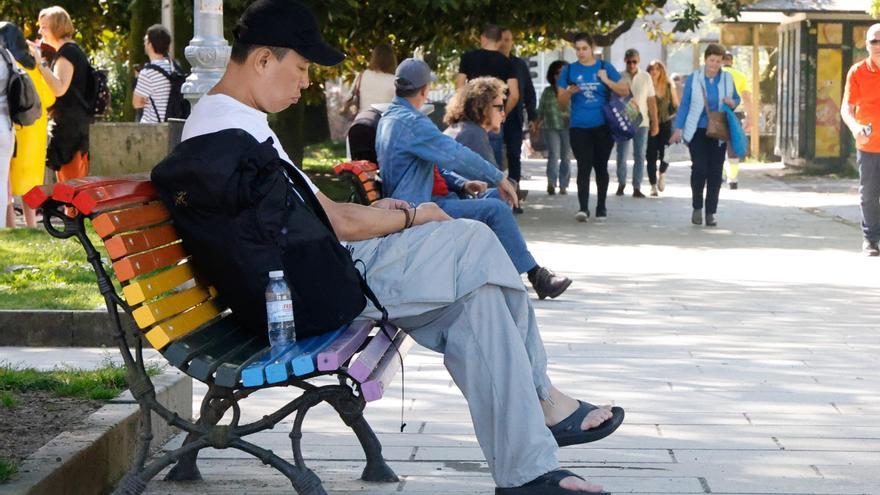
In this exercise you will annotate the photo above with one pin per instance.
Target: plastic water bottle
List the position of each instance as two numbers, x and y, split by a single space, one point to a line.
279 310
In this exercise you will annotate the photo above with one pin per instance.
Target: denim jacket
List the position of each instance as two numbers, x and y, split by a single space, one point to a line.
408 145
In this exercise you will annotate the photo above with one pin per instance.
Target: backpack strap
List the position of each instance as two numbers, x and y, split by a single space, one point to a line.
156 110
158 69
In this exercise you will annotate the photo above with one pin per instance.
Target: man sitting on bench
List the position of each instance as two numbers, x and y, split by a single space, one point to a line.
446 282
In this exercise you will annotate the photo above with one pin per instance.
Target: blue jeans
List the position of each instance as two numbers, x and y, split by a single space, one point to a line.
495 213
869 190
557 157
707 162
640 140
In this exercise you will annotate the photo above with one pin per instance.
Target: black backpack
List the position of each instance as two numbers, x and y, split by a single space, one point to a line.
178 106
21 94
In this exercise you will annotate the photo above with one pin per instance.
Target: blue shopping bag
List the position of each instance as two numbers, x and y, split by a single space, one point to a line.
738 142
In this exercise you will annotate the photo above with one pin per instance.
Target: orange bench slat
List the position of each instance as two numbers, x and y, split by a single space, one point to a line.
136 242
67 190
38 195
139 264
114 222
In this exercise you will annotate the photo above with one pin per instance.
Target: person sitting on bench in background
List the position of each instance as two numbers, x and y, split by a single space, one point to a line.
446 282
410 148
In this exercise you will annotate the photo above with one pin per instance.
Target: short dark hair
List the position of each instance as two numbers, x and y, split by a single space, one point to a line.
632 52
406 93
727 55
240 51
160 38
492 32
583 36
713 49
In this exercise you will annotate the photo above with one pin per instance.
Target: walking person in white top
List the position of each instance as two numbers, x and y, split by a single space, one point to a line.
7 140
642 88
153 89
377 82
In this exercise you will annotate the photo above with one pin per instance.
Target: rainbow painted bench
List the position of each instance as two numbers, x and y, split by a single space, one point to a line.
361 176
180 316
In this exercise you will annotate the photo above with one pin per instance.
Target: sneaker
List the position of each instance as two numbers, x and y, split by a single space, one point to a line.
654 190
661 182
563 191
620 188
637 193
551 190
548 284
601 212
734 185
582 216
697 217
710 220
517 210
870 248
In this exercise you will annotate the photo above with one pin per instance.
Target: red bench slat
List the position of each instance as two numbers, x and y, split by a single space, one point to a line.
114 195
38 195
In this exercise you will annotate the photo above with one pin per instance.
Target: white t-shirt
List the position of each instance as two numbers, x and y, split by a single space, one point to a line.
642 87
151 84
376 87
214 113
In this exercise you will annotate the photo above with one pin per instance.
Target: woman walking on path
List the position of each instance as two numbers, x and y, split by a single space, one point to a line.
554 126
667 104
67 77
705 91
29 163
586 84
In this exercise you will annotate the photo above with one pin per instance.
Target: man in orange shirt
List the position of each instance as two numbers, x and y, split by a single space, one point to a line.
861 113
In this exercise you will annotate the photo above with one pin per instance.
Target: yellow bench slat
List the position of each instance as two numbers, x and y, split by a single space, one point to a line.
167 307
138 291
164 333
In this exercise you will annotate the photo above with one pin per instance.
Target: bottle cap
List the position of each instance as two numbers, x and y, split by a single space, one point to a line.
276 274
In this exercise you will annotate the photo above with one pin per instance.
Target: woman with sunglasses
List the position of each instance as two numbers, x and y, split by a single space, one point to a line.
585 84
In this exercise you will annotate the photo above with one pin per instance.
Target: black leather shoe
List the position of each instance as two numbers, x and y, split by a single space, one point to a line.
620 188
710 220
697 217
870 248
548 284
637 193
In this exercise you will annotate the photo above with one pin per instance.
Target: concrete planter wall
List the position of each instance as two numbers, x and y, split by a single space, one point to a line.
119 148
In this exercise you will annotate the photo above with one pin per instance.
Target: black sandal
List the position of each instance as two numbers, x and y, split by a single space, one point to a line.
546 484
568 431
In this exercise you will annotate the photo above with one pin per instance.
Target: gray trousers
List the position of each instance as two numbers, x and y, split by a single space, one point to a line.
488 336
869 189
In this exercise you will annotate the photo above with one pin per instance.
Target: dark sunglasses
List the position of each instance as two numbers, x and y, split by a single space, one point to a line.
500 108
874 42
632 62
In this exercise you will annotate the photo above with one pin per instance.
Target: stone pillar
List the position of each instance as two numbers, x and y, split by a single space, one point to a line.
208 52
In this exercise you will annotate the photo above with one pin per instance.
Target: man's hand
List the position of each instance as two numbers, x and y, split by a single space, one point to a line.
508 192
429 212
676 137
475 187
863 136
391 204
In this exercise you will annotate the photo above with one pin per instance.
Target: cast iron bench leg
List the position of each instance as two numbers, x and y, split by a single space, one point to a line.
351 410
212 410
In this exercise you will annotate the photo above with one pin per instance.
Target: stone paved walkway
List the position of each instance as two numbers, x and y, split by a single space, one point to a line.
745 356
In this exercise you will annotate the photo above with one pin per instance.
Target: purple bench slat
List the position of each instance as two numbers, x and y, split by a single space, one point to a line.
374 387
344 347
370 357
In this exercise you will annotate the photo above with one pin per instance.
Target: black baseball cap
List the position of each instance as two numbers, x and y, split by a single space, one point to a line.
286 24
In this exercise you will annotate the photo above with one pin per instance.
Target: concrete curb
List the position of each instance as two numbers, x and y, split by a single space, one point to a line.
94 457
59 328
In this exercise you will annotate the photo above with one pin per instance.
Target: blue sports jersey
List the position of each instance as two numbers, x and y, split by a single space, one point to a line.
586 105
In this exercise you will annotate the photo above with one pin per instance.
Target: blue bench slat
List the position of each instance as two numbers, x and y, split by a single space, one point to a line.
305 363
253 375
280 369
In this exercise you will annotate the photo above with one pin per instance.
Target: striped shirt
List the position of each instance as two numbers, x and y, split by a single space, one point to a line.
151 84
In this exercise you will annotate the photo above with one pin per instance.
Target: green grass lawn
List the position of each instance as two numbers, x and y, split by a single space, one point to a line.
103 383
38 271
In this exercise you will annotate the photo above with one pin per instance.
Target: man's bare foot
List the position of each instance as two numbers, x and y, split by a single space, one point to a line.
579 485
561 406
